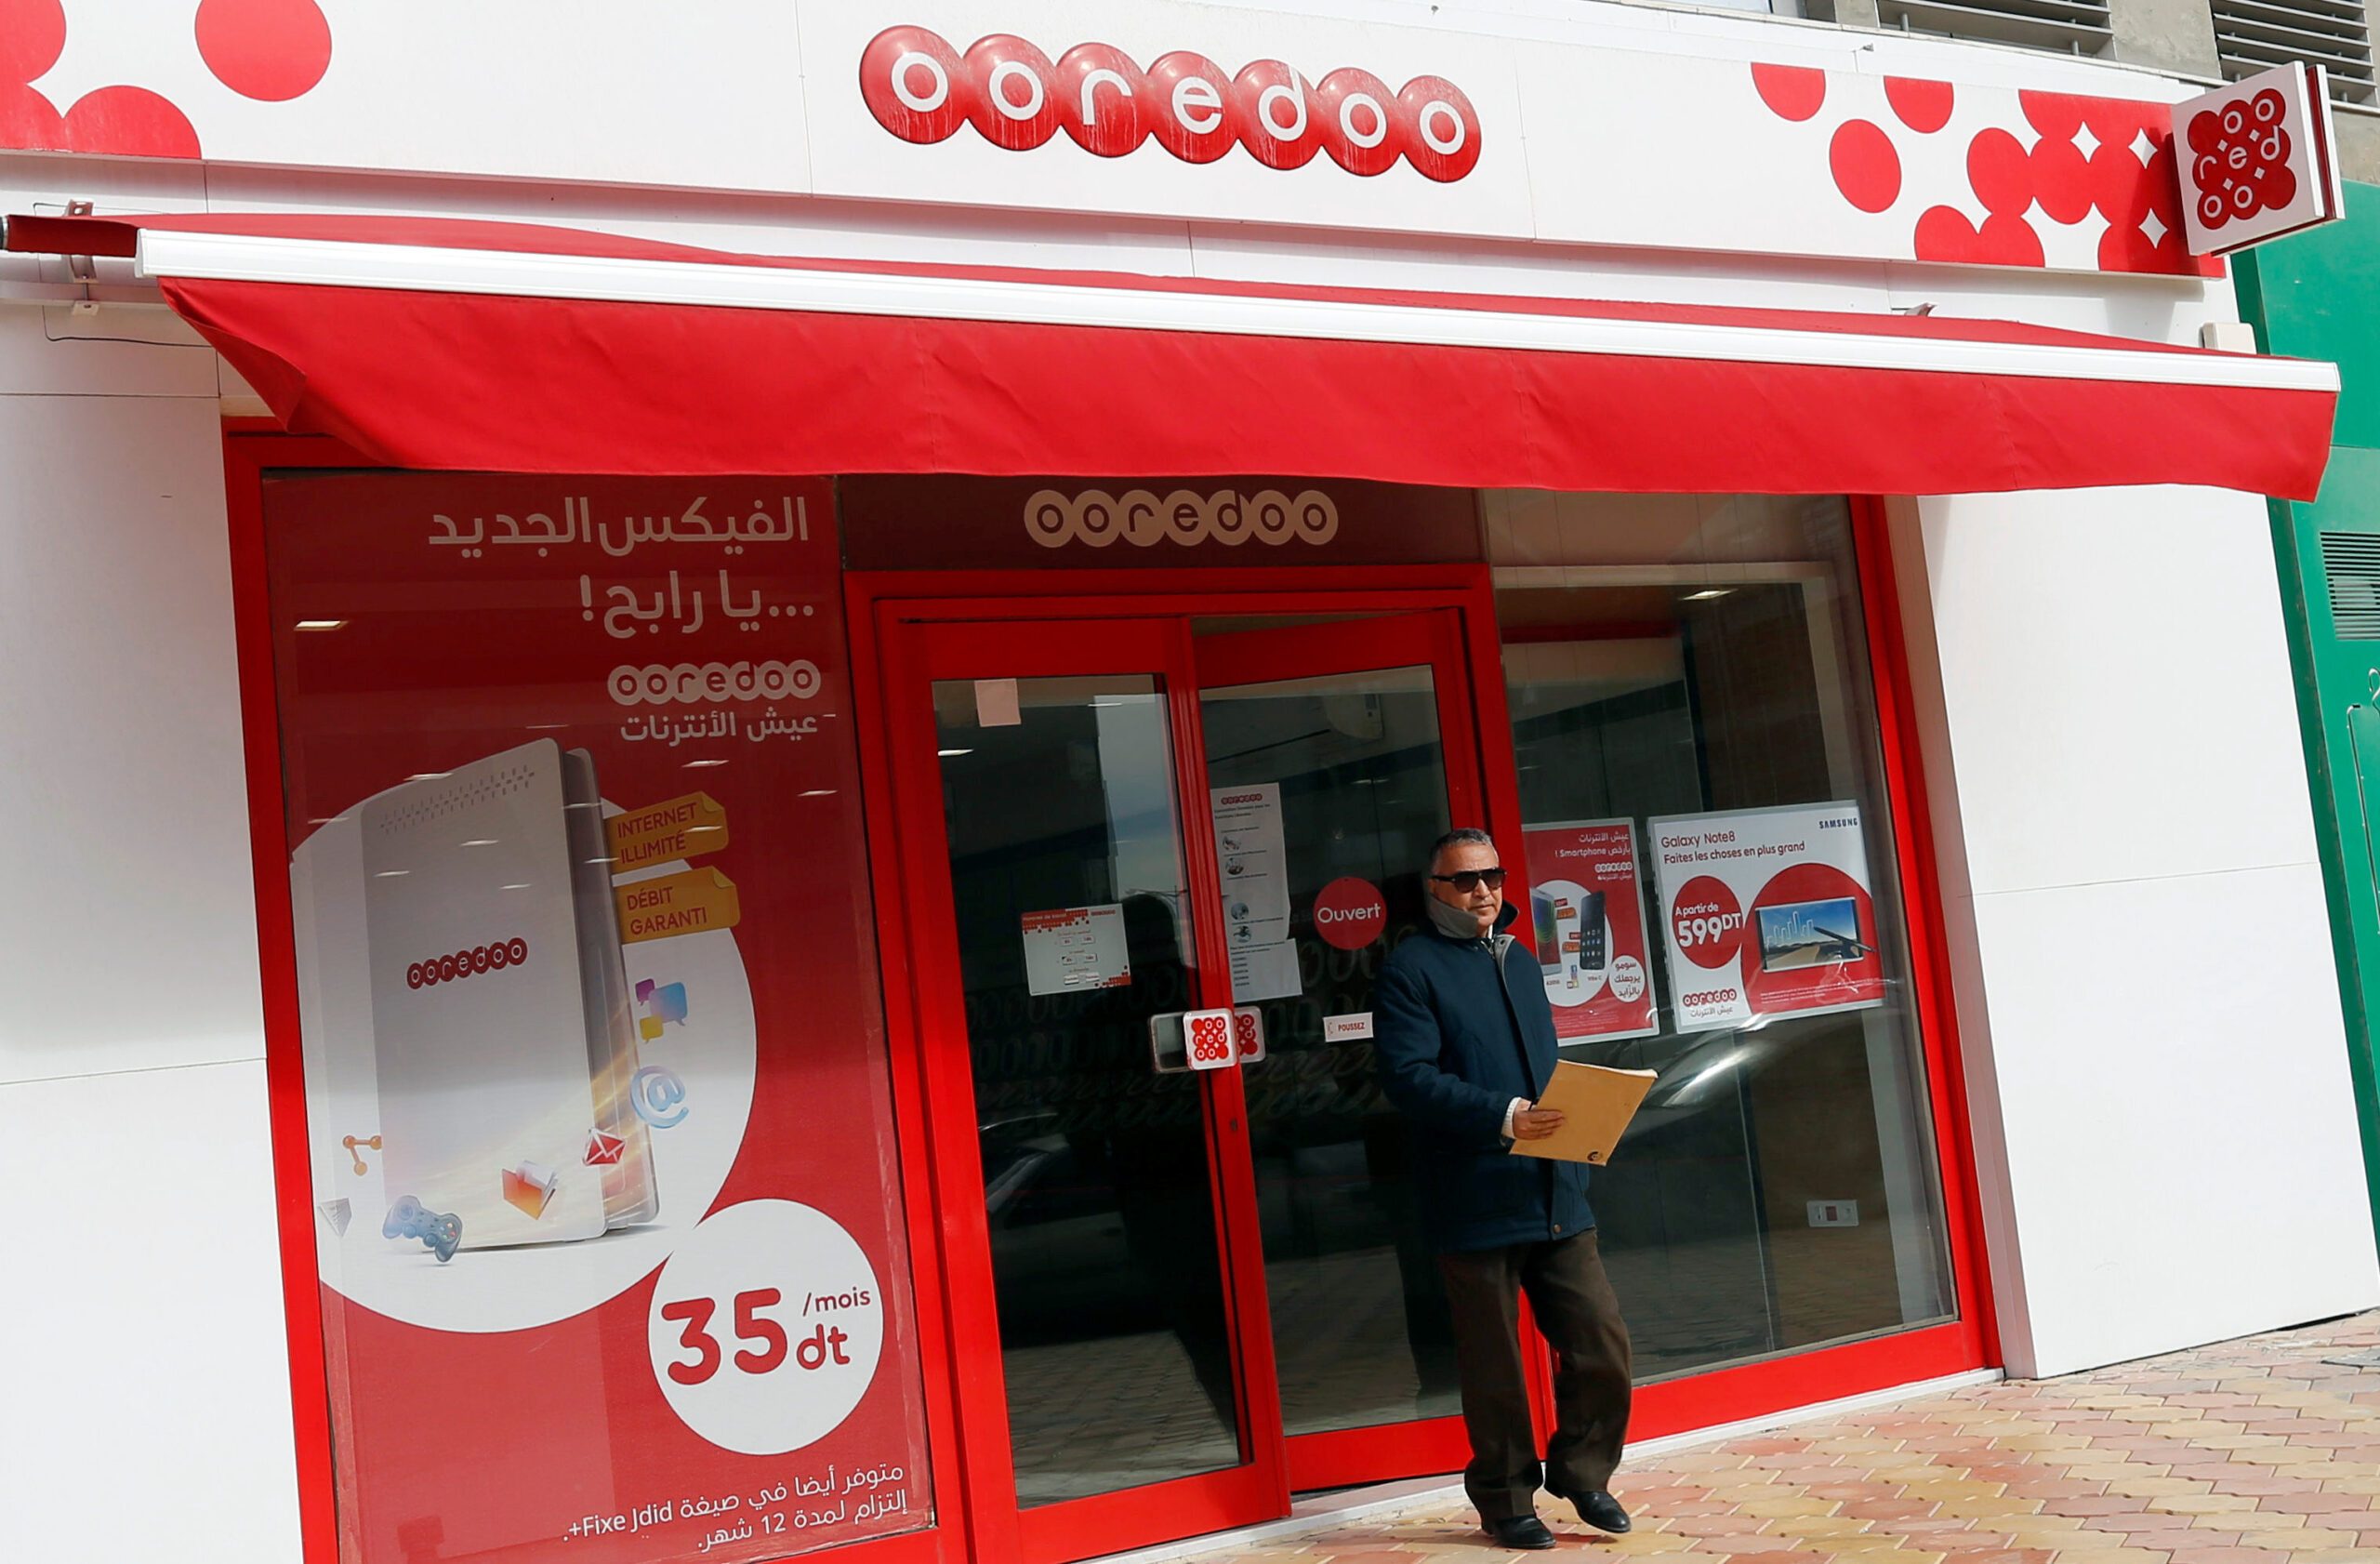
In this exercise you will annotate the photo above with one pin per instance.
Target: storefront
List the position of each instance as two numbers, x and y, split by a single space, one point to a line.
827 783
1064 811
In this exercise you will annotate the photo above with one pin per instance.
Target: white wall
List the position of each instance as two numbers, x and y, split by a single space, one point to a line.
2148 1005
146 1413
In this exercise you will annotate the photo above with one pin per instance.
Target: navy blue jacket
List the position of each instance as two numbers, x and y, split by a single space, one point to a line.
1460 1028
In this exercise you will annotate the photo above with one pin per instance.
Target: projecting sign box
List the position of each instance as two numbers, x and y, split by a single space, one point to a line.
2257 160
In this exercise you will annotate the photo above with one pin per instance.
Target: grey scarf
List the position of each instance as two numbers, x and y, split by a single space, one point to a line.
1455 923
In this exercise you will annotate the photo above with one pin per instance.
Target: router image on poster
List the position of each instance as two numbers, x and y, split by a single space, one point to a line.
464 1004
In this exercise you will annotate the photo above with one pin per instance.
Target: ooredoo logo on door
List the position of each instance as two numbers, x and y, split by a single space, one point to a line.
922 91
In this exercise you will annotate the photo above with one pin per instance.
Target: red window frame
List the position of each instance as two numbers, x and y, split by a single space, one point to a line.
1969 1342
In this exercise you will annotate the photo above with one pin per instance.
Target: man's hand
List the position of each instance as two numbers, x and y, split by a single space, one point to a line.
1536 1124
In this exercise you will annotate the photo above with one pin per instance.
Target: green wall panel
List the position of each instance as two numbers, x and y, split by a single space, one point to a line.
2321 300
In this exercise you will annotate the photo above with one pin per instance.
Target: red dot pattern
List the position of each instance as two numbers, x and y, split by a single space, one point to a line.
269 49
32 35
1922 105
1866 169
1794 92
272 50
2086 156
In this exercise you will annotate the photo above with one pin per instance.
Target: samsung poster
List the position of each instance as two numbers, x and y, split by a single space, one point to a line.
1766 912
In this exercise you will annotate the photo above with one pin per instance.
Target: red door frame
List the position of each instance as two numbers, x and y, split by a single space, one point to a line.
1436 603
252 447
1000 1532
1432 638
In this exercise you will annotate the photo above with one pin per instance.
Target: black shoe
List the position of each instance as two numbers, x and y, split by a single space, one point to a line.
1600 1510
1522 1531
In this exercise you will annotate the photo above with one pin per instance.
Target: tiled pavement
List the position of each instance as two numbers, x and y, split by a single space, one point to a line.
2252 1451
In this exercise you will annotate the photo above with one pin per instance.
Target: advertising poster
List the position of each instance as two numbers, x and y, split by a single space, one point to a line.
604 1194
1767 912
1587 923
1070 948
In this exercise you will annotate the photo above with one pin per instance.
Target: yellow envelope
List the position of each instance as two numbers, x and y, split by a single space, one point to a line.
692 902
678 827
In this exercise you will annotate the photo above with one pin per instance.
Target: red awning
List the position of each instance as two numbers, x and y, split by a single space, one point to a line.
435 343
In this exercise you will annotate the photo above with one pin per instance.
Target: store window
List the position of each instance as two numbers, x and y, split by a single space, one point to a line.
1713 896
603 1190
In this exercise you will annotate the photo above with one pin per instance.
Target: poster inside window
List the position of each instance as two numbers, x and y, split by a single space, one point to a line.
604 1192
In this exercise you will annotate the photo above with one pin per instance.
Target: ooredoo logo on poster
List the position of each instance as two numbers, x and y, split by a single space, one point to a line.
1766 912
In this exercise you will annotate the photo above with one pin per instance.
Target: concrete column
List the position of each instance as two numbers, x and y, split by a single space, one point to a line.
2175 35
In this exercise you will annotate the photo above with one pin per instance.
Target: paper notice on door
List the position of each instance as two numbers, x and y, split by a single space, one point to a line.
1070 949
1254 867
1264 972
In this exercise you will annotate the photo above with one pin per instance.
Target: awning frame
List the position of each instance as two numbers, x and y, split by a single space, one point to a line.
463 344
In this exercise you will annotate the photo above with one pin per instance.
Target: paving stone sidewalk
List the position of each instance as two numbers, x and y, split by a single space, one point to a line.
2252 1451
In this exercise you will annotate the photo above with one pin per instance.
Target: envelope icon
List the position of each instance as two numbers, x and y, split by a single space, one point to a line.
604 1148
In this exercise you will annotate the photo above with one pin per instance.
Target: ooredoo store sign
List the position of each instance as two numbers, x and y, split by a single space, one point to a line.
952 523
923 90
2256 159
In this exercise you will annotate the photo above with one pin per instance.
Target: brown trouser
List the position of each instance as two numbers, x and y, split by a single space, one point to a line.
1579 1317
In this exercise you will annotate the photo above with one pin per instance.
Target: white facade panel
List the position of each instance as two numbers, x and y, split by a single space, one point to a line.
148 1406
2181 1134
2148 1011
130 930
2127 711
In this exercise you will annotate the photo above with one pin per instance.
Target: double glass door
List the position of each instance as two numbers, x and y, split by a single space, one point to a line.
1151 868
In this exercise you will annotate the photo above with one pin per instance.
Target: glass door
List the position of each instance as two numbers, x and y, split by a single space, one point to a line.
1094 1188
1329 776
1177 1293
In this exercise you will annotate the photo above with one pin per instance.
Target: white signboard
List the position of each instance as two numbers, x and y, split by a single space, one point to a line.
2257 159
1766 913
1792 143
1070 949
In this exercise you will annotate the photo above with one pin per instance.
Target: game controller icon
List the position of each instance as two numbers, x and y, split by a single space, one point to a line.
410 1219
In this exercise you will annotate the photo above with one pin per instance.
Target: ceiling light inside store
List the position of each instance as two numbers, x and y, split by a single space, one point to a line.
949 752
691 764
819 793
1707 593
321 624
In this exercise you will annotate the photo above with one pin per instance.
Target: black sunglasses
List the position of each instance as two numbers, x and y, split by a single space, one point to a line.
1469 879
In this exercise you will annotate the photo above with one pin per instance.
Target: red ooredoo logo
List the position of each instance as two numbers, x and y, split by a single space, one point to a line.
922 91
2239 162
464 964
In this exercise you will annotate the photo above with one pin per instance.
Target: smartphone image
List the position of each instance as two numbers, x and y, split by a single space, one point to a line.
1806 933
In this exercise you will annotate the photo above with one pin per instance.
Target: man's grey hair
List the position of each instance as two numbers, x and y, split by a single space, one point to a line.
1466 836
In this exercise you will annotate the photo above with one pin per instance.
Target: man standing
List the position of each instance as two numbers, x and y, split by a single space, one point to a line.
1466 1046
